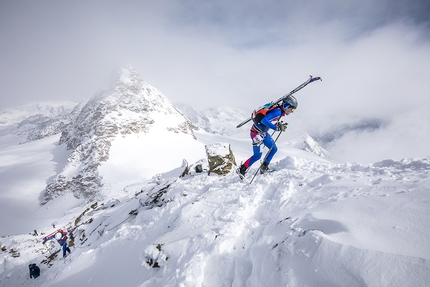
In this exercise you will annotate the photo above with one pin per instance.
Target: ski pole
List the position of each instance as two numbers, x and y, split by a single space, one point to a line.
265 157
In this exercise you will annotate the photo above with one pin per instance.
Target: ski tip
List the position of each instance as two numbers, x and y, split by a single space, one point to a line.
314 78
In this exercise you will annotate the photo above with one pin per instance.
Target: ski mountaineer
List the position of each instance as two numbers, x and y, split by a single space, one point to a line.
265 119
34 270
61 237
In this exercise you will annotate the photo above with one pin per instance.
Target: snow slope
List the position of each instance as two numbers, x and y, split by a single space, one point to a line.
24 172
311 223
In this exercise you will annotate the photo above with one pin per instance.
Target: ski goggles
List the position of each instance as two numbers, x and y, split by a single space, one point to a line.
289 107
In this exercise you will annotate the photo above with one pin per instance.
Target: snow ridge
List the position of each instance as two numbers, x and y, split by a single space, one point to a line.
299 226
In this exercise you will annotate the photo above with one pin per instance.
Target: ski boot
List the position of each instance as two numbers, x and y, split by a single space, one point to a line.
265 168
241 171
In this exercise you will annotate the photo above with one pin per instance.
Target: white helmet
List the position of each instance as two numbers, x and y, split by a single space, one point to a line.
58 235
290 102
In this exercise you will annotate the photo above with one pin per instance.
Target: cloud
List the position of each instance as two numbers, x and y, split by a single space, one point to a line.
405 136
65 50
372 55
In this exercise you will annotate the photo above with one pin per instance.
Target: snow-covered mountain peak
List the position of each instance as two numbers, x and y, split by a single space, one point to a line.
126 89
125 106
122 79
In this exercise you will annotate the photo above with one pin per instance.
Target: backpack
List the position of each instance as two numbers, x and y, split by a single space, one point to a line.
261 112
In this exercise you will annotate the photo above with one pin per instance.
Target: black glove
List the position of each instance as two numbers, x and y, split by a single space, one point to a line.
281 126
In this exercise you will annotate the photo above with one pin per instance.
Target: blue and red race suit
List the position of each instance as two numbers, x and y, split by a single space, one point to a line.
62 241
259 135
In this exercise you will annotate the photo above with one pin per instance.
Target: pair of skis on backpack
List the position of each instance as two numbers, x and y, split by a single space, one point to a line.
271 104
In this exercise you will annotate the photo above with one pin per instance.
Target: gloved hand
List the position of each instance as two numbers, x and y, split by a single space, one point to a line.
281 126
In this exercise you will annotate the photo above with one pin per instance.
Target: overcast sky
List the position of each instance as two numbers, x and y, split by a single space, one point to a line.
373 55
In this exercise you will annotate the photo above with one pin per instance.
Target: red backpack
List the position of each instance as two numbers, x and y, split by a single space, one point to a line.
261 112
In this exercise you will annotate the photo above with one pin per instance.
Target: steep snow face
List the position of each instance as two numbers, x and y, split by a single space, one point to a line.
127 105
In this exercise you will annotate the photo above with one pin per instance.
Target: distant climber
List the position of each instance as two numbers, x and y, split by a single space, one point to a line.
34 270
61 237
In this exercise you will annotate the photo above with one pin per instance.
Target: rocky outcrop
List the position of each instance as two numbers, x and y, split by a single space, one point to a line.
220 158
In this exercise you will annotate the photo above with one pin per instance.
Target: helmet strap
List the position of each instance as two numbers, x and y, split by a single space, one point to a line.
282 108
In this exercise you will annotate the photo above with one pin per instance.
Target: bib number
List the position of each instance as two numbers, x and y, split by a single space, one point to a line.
258 139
